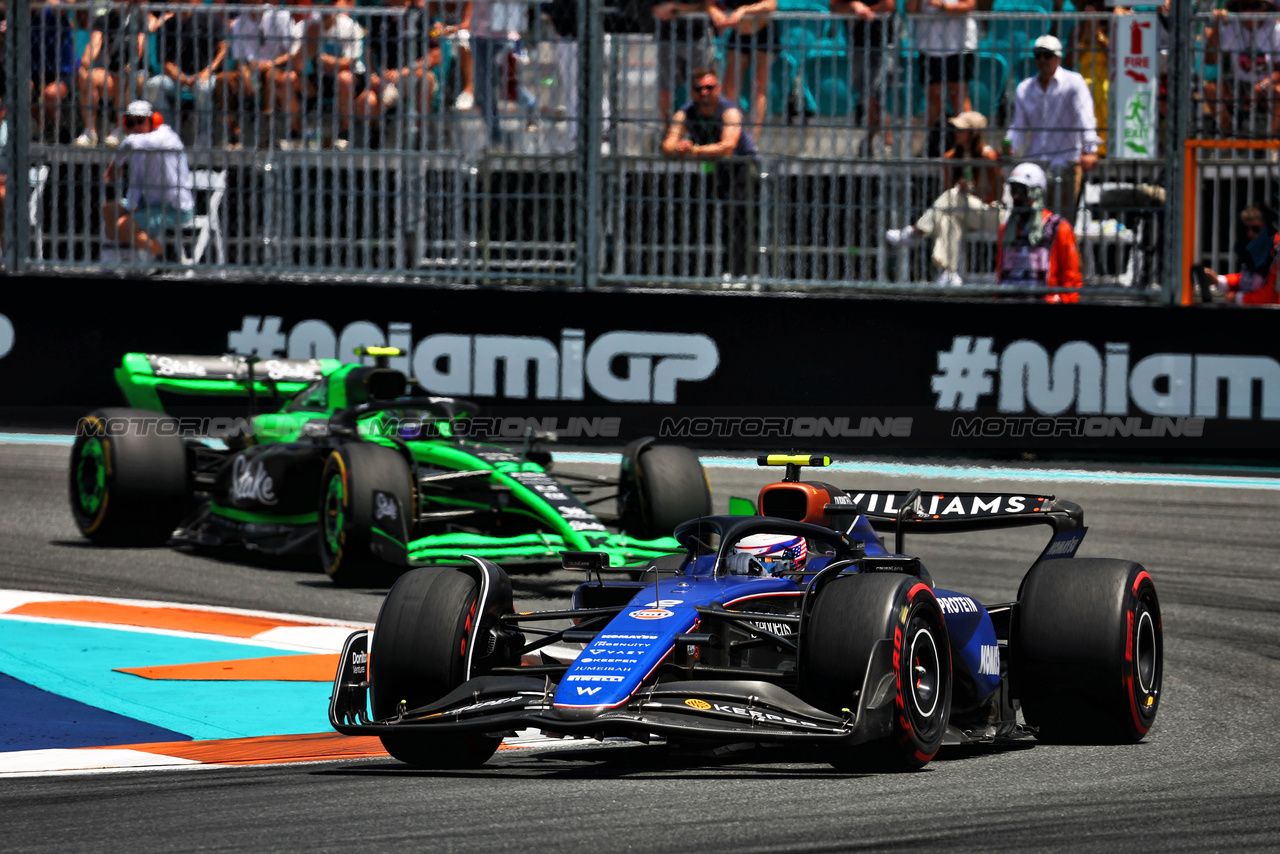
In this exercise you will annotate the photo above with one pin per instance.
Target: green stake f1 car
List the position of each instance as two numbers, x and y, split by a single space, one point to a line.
350 465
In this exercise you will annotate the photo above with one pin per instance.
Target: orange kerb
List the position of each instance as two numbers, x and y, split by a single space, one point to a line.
320 667
175 619
309 747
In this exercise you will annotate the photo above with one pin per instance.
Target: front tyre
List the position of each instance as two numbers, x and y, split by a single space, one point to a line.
1087 651
366 506
129 477
419 654
660 487
851 615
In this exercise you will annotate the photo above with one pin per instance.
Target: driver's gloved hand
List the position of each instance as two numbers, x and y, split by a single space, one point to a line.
744 564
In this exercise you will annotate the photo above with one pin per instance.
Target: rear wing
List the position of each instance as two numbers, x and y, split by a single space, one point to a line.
938 512
950 512
143 376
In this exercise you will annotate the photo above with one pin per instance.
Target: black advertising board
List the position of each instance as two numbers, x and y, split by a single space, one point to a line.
708 370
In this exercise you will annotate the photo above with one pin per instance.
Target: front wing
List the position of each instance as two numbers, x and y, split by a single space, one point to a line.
445 548
722 710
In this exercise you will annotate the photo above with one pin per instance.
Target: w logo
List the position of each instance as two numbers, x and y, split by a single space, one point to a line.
590 692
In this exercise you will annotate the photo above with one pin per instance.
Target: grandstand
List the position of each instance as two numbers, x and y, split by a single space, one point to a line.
561 180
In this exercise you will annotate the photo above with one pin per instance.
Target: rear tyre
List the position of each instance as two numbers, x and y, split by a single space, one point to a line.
1087 651
419 654
660 487
129 477
852 613
357 531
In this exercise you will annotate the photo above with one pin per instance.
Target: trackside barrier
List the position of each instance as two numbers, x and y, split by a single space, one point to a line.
705 370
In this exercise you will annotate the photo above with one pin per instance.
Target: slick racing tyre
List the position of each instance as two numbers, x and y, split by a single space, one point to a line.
366 510
129 477
660 487
419 654
1087 651
851 614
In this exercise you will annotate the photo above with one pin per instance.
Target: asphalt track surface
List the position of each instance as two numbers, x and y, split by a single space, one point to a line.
1205 779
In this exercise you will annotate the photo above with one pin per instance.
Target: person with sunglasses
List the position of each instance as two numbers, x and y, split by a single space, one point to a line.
1256 248
710 128
1054 122
159 198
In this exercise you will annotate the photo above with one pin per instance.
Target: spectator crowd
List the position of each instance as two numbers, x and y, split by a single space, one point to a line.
332 74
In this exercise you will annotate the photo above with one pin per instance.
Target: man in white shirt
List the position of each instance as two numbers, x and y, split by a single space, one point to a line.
1054 123
159 197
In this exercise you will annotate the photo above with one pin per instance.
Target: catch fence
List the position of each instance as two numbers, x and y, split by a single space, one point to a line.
321 148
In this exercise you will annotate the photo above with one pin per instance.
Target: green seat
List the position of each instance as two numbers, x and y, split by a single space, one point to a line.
1016 35
990 75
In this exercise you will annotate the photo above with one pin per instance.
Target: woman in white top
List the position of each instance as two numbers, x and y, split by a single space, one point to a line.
946 35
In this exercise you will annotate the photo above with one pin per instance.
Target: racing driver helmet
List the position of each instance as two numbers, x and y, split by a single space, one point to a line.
777 553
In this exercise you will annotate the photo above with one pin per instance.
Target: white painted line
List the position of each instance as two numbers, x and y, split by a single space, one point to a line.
36 439
978 474
80 760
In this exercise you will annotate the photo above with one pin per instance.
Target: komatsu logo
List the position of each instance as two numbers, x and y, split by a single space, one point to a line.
621 366
1064 547
1026 378
772 628
989 661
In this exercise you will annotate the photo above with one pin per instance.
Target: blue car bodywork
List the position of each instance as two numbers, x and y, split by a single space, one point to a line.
701 652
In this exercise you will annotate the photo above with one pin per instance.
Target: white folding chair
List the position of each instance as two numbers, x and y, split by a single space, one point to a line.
209 224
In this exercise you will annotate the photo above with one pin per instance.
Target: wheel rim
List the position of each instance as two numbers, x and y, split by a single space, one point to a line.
333 517
926 674
91 476
1145 653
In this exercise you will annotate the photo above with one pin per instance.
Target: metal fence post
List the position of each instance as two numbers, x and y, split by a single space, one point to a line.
1177 127
17 228
590 124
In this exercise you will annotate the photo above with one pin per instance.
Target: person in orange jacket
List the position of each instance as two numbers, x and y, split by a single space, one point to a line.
1037 247
1255 284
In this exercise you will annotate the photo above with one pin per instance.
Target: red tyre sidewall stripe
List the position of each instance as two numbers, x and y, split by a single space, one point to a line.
466 629
1136 715
899 698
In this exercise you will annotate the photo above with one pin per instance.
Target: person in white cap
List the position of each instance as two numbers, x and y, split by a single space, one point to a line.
972 204
159 197
1037 248
1054 123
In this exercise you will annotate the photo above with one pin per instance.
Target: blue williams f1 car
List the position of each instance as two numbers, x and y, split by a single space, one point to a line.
794 626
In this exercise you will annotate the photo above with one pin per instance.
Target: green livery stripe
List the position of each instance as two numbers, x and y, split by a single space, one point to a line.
263 518
448 548
381 533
